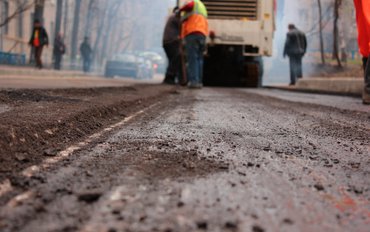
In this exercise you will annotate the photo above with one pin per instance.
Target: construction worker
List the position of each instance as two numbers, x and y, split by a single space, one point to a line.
171 45
363 26
194 31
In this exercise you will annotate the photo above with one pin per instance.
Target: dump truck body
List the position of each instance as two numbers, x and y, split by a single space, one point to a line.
249 23
241 33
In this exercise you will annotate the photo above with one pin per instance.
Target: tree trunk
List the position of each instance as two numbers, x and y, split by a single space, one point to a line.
58 17
39 10
65 22
76 21
111 14
99 33
320 30
105 40
89 18
337 4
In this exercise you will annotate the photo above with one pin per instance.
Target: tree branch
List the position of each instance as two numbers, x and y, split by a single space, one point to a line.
20 9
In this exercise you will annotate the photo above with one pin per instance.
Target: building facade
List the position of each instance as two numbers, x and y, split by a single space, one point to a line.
15 35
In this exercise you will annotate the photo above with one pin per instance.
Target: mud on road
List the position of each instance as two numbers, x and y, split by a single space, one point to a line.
36 124
210 160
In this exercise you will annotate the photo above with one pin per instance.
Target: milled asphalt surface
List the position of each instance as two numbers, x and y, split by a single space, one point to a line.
212 160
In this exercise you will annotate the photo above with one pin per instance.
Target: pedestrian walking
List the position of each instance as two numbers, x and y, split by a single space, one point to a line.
295 48
86 53
194 31
171 45
58 51
39 39
363 26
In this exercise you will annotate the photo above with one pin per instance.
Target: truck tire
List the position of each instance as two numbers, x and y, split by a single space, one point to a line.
253 71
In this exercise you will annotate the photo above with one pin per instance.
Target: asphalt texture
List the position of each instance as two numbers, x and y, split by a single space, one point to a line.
207 160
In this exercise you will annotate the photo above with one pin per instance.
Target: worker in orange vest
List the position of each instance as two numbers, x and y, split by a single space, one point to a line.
194 31
363 26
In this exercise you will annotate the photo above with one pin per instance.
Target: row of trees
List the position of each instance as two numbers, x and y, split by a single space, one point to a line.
329 25
112 26
336 7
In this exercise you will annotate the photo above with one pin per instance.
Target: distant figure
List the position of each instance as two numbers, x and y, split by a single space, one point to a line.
171 45
59 50
86 53
363 26
295 48
194 31
39 39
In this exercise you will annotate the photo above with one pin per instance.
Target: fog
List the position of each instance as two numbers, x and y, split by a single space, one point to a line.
113 27
117 26
305 15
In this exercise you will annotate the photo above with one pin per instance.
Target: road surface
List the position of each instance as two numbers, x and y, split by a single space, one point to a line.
207 160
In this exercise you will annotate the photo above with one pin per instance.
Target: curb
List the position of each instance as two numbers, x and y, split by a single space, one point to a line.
331 86
28 71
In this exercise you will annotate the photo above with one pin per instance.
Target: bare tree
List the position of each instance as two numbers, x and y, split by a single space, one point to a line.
337 4
320 31
21 7
111 14
90 11
101 23
65 20
75 30
58 17
39 9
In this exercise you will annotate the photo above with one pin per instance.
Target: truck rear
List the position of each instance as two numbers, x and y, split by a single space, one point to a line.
241 33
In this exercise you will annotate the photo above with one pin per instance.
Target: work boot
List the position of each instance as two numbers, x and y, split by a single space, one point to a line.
195 85
366 92
169 80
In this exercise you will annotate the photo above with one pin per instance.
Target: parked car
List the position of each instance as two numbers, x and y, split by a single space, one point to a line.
146 68
129 65
159 63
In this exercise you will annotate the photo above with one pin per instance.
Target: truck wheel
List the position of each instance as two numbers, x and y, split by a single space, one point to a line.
253 72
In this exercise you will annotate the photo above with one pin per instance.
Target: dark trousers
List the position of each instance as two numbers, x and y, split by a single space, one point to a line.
295 63
172 50
86 64
57 61
195 46
38 54
366 64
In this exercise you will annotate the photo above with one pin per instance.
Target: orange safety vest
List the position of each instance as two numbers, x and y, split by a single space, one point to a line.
36 39
363 26
195 21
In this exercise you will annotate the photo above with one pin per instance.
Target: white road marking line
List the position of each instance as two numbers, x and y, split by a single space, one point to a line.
6 187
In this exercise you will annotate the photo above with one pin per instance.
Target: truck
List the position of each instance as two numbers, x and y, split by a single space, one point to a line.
240 33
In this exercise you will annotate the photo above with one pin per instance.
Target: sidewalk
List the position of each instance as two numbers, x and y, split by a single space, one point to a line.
32 71
349 86
14 77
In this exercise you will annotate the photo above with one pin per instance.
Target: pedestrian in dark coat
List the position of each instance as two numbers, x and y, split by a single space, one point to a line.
86 53
39 39
295 48
59 50
171 45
